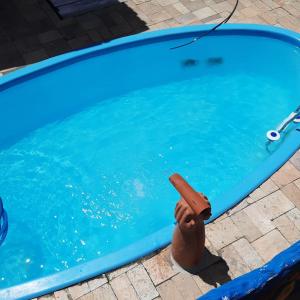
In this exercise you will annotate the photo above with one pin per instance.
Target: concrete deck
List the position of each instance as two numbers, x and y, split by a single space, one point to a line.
244 238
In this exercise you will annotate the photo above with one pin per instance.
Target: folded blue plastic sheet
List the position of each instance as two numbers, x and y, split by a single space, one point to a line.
278 279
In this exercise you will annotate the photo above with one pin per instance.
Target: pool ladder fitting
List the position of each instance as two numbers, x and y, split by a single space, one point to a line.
274 134
3 223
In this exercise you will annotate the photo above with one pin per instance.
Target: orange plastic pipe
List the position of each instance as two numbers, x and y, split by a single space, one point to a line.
195 200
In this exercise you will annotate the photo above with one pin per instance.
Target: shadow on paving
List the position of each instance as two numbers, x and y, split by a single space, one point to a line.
30 30
213 270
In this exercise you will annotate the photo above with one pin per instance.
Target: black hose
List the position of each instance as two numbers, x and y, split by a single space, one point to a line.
209 31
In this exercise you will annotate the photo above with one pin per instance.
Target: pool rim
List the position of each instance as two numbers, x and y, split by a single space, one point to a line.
161 238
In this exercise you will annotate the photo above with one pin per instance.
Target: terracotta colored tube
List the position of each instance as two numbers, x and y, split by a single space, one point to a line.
195 200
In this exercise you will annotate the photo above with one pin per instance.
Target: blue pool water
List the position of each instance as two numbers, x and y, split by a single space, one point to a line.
94 179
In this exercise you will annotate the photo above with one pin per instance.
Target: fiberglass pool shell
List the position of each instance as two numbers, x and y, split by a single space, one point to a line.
30 103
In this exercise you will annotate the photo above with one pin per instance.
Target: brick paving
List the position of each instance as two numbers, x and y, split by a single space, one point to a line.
262 225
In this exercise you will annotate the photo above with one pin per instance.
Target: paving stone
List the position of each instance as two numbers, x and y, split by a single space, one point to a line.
222 6
61 295
104 32
157 26
210 247
211 19
160 16
292 192
150 8
49 36
105 292
57 47
97 282
172 23
203 285
222 233
205 12
187 286
90 23
89 296
159 267
181 8
269 186
35 56
246 226
265 189
186 18
47 297
78 290
121 271
167 2
213 276
168 290
275 205
259 218
142 283
297 183
294 216
272 4
193 5
222 217
248 254
172 11
71 31
123 288
270 244
238 207
80 42
256 195
28 44
237 265
287 228
209 258
269 18
287 174
250 11
291 9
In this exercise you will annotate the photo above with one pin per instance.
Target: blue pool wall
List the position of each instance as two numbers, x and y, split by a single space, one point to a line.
43 102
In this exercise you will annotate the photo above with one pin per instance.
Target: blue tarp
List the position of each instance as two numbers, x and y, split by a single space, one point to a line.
281 274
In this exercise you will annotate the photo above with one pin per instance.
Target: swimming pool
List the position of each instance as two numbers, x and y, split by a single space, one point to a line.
91 137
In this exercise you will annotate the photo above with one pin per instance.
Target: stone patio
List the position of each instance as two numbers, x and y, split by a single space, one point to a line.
262 225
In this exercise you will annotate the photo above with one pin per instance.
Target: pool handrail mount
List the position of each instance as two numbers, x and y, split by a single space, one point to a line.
274 134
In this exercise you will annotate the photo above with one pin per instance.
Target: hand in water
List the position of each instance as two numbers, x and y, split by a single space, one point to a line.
185 216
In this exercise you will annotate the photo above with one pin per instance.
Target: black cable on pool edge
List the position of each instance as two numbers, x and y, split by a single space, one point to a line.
209 31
